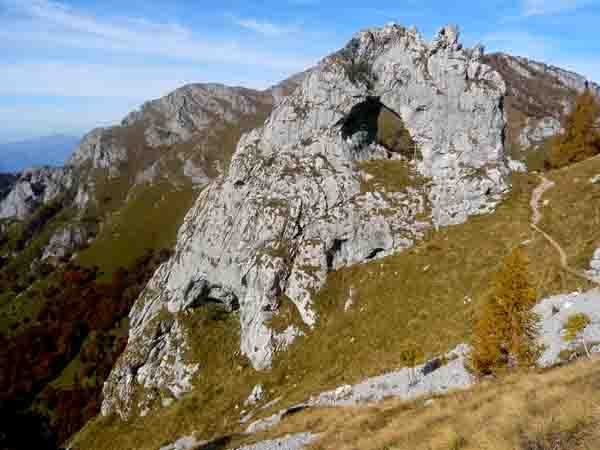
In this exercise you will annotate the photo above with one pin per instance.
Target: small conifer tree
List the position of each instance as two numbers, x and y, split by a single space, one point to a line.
581 138
505 335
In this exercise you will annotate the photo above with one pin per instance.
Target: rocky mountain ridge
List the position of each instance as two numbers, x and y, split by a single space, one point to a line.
180 142
538 97
194 114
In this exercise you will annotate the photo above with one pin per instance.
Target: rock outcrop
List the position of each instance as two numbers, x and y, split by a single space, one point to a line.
537 131
65 239
7 182
35 187
192 109
435 377
294 204
555 311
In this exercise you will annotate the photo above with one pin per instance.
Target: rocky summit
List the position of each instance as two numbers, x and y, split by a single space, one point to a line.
296 203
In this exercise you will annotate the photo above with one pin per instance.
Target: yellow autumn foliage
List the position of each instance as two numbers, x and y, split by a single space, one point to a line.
505 335
581 138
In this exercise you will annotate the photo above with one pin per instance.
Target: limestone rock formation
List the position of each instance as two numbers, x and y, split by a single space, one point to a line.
191 109
555 311
7 181
35 187
294 204
63 240
536 131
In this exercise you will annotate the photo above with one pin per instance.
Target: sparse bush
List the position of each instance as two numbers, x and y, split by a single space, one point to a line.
506 333
574 327
410 358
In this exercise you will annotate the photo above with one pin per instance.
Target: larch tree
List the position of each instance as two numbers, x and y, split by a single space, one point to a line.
505 334
581 137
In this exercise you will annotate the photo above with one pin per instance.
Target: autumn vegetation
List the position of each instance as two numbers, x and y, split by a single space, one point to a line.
53 369
505 334
581 137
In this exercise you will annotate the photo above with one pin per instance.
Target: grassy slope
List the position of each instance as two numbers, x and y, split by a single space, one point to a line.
553 410
416 298
572 215
149 220
16 312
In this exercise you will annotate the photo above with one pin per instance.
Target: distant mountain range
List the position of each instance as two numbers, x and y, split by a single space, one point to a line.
46 150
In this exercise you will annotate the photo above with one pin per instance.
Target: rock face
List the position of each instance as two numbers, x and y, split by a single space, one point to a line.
554 313
436 377
67 238
536 131
35 187
192 109
594 270
294 206
7 182
538 95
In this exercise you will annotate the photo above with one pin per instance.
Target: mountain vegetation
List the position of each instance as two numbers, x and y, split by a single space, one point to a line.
506 333
581 137
224 256
52 366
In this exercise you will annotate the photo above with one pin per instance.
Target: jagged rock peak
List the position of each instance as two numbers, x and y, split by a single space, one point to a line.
294 205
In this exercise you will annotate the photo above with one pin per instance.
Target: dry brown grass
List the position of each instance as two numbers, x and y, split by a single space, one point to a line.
553 410
572 215
413 299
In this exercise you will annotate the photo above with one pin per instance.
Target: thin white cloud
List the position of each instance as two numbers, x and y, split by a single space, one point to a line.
264 27
71 79
48 23
128 60
549 7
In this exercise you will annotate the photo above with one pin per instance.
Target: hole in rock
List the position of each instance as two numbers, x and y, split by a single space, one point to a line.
334 251
372 122
375 252
199 293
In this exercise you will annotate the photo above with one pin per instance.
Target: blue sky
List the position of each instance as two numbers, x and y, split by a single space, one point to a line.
70 65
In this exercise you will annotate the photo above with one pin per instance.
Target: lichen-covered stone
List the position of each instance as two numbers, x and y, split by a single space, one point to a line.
555 311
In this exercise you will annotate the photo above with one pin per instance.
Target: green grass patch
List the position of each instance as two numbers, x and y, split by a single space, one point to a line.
150 220
392 175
